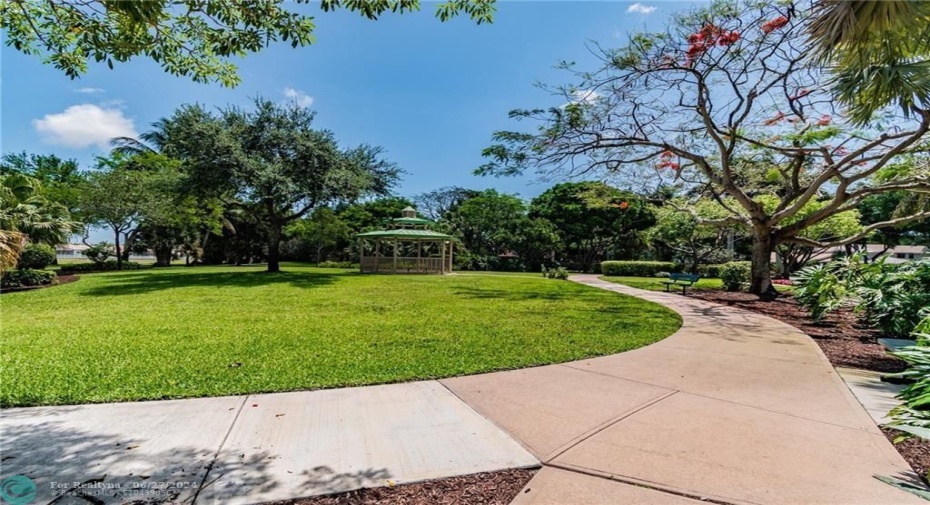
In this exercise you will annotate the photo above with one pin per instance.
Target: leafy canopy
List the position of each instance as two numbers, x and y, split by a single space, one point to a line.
195 38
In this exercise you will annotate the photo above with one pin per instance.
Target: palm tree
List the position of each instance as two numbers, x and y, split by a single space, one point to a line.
25 214
879 51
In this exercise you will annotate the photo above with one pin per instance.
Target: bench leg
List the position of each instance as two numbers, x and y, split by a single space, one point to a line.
683 290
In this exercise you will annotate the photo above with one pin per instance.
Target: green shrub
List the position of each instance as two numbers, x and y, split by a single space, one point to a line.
887 296
637 268
106 266
26 278
913 415
99 252
712 271
337 264
36 256
735 274
560 273
820 290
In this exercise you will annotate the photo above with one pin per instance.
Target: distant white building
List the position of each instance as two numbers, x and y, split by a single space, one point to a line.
70 251
899 254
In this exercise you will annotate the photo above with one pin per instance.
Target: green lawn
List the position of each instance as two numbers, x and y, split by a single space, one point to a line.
204 331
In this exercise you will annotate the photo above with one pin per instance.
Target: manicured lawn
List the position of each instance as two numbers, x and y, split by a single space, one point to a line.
655 283
205 331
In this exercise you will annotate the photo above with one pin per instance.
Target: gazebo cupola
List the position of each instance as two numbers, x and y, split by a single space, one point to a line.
406 246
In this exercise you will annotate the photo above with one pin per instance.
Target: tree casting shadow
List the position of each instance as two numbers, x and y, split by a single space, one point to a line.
137 283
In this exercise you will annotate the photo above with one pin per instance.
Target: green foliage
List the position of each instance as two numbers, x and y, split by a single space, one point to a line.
304 328
99 252
712 271
890 297
560 273
276 163
820 290
27 278
36 256
637 268
913 415
735 275
337 264
186 37
104 266
591 218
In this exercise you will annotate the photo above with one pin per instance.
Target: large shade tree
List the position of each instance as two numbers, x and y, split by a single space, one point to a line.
591 218
724 98
271 160
194 38
26 214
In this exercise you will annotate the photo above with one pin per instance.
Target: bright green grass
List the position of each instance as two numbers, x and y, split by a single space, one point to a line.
655 283
183 332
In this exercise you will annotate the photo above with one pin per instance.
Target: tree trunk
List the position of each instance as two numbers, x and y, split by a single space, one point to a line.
763 244
119 252
163 256
274 248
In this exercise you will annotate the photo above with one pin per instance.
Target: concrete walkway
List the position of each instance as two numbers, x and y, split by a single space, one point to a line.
734 408
255 448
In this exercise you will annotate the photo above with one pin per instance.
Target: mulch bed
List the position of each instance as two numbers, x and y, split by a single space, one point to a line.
62 279
491 488
846 341
915 450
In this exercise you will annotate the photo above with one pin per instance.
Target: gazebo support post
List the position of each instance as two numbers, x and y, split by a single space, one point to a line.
395 256
419 247
442 261
377 255
451 248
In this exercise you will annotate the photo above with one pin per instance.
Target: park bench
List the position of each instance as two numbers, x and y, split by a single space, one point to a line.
683 280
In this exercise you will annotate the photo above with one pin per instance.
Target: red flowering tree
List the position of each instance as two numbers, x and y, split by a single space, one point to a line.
727 104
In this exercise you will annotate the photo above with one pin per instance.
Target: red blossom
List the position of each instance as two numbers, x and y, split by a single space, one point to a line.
775 120
824 120
774 24
840 151
623 205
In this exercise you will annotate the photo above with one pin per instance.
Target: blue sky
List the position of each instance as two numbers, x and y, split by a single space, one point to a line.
430 93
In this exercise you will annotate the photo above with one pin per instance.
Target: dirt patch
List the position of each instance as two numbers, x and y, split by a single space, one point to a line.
915 450
490 488
842 337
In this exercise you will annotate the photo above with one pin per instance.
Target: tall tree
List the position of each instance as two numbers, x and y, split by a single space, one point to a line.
60 179
272 159
591 218
437 204
115 196
726 97
193 38
323 229
679 227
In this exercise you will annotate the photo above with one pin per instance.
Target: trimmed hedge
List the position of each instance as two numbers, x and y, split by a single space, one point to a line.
106 266
712 271
27 278
337 264
638 268
735 274
36 256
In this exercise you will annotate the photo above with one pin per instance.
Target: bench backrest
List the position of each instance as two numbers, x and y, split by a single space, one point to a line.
684 277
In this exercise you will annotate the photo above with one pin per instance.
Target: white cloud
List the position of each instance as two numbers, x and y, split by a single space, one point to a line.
299 97
639 8
90 90
585 95
84 125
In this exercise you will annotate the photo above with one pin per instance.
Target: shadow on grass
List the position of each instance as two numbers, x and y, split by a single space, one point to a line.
136 283
515 294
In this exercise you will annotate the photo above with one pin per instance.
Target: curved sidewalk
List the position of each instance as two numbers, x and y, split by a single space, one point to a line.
734 408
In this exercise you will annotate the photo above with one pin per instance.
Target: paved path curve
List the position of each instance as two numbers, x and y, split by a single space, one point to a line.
735 408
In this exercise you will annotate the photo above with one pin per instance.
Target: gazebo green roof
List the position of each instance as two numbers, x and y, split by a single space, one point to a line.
410 220
407 234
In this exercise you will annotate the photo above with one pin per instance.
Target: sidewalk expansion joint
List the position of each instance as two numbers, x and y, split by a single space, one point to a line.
597 429
638 483
216 455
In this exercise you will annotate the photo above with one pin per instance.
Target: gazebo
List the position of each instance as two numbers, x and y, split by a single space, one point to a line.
407 246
